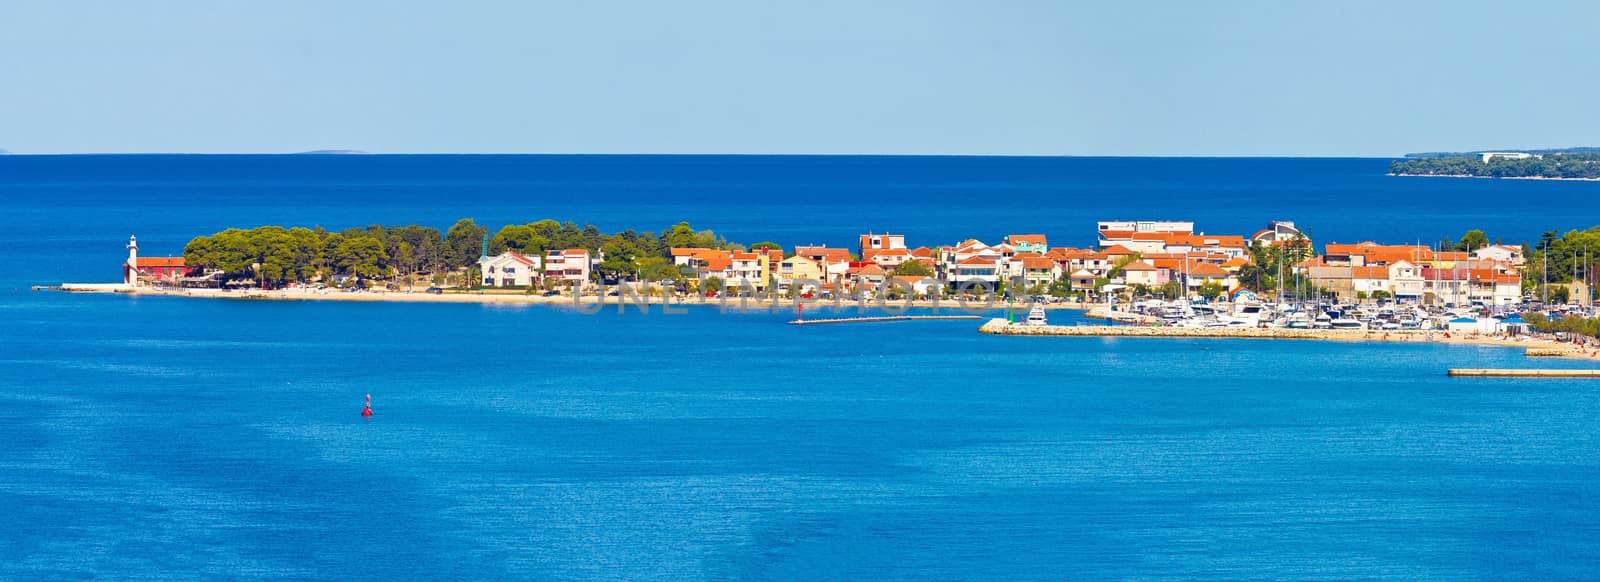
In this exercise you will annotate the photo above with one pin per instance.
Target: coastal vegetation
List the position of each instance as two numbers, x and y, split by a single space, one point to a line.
1566 166
277 255
1271 269
1561 259
1585 326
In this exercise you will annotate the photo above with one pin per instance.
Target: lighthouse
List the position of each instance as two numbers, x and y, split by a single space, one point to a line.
130 271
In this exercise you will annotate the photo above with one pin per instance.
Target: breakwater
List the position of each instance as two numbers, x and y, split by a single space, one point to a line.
1533 346
1521 373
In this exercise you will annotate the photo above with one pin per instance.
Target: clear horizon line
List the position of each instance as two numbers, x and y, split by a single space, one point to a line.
358 153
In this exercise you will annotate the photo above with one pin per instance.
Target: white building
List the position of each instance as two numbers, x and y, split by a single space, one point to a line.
1277 231
1506 156
570 265
1503 253
1146 225
509 269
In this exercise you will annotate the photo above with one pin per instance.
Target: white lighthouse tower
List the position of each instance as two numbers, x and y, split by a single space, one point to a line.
130 271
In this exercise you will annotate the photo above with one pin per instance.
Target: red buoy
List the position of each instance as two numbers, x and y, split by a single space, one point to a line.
368 410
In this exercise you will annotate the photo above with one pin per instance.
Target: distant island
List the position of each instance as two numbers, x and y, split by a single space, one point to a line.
1567 164
1479 153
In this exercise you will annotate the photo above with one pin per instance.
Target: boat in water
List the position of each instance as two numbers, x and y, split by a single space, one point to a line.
1036 317
1346 323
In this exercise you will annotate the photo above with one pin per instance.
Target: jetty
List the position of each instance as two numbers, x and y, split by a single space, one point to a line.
882 318
1523 373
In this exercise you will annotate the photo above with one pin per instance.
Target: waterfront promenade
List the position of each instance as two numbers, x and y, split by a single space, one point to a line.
954 306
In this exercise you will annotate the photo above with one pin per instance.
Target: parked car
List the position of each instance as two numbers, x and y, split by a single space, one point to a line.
436 290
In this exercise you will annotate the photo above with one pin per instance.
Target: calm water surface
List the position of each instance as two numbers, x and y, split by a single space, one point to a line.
157 437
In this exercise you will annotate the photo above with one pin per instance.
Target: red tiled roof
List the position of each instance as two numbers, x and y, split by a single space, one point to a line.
1369 272
159 262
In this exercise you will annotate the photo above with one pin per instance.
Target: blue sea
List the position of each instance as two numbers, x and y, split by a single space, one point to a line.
153 437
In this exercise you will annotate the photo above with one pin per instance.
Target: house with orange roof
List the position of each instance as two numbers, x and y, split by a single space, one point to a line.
971 261
1082 280
866 275
881 242
510 269
888 258
974 271
1401 280
1115 252
799 268
1167 237
161 269
823 254
1198 273
1463 286
1072 260
1142 273
737 270
1033 269
747 271
1034 243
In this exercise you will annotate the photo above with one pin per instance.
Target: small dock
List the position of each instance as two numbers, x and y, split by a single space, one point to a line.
1522 373
882 319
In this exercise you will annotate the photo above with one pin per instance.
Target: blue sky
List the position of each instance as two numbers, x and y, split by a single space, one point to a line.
1102 78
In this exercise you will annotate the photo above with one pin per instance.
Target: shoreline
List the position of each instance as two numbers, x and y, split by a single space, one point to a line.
1535 347
1495 177
1091 309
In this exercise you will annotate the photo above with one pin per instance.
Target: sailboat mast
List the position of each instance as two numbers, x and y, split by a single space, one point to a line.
1544 263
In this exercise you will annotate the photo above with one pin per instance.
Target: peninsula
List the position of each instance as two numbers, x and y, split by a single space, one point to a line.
1569 164
1157 274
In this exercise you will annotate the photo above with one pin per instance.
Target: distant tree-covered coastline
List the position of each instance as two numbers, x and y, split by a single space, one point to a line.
1562 166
